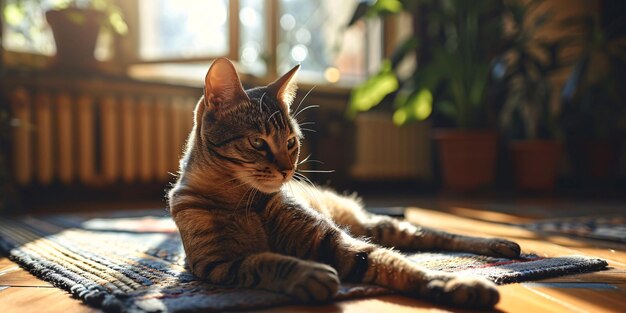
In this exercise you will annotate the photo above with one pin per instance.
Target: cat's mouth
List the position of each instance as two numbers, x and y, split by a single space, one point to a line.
270 184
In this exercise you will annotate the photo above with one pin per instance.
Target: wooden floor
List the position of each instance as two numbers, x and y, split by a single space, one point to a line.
593 292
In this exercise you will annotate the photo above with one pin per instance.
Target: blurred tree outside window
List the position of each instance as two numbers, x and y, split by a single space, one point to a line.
25 28
314 34
171 29
253 45
310 32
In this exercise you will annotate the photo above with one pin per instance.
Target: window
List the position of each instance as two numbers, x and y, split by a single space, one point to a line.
311 33
267 37
253 51
25 28
171 29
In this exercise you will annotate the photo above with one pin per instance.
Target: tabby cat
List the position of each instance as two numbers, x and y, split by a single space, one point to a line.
244 222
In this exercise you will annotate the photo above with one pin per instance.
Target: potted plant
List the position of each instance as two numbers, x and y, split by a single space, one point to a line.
76 25
454 42
524 71
594 100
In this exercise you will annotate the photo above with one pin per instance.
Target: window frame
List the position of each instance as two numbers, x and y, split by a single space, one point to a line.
127 47
233 38
272 27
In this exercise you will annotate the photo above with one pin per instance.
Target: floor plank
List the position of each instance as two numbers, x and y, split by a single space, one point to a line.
13 275
531 242
5 263
578 299
611 276
37 300
22 278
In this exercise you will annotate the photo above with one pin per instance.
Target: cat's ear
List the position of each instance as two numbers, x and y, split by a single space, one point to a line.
222 87
285 88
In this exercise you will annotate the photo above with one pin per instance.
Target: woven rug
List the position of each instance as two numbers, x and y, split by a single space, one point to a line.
136 263
597 227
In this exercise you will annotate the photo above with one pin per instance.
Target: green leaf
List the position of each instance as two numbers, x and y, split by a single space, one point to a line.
374 90
13 15
400 117
402 50
118 23
419 105
76 17
382 7
478 85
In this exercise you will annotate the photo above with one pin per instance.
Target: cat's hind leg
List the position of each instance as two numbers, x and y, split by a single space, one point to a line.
391 232
401 234
299 231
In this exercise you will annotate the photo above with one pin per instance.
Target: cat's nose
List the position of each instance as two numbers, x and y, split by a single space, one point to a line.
284 164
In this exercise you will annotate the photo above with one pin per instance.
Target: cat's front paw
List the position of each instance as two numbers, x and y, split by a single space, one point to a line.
466 292
316 283
501 248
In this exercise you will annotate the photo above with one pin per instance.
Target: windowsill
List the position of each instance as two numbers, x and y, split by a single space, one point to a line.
177 74
170 73
192 74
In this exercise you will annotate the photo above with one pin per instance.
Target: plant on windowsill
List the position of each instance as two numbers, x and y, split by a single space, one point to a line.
76 25
454 43
594 99
523 73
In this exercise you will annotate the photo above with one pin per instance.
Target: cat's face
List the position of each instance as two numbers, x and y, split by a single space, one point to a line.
251 133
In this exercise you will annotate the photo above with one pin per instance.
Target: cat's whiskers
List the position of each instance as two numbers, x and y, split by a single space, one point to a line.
301 101
305 189
250 202
261 102
269 118
304 178
249 190
306 160
311 161
312 106
317 171
246 209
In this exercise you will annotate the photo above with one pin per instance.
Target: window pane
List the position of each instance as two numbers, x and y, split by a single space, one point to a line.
314 34
253 38
25 28
183 28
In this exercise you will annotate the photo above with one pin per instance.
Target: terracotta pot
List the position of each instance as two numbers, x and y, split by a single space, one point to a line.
75 34
601 159
536 164
468 158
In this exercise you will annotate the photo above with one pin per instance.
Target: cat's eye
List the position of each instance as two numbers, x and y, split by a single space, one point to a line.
257 143
291 142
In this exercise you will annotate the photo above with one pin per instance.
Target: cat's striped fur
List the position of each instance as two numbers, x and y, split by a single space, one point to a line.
245 222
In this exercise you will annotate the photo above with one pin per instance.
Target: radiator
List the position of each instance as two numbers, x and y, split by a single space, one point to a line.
386 151
96 139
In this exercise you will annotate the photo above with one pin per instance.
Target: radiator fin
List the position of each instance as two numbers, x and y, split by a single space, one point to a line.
65 137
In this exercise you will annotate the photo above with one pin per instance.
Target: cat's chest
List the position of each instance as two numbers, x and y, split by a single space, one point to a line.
249 228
